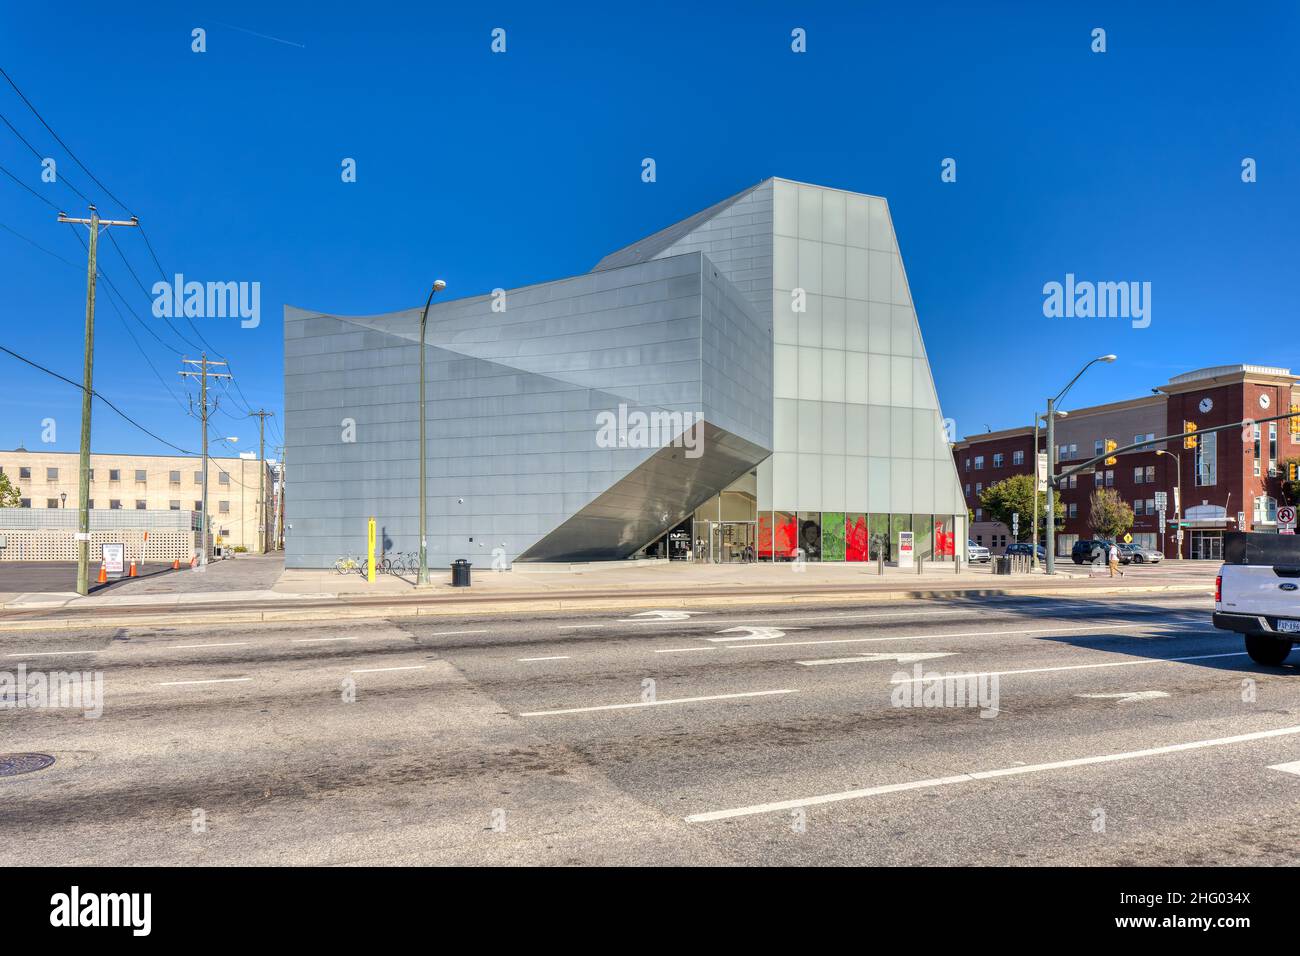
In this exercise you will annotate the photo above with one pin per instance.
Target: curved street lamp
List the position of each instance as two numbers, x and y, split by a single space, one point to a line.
1050 535
423 576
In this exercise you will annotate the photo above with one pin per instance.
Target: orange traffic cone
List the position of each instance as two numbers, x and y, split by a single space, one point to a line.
176 564
194 561
103 575
132 573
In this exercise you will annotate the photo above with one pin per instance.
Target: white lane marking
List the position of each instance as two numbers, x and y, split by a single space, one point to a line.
654 703
929 637
574 627
218 680
452 633
749 632
564 657
319 640
50 653
873 659
377 670
984 775
683 650
1130 697
784 620
1078 667
184 647
655 617
1293 767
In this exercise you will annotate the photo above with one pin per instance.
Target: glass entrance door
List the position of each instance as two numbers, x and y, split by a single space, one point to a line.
1207 545
733 542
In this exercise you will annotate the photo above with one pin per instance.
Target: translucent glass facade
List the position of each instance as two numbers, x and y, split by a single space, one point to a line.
781 317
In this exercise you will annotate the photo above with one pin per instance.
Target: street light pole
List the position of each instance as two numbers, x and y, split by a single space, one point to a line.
1178 528
423 577
1051 461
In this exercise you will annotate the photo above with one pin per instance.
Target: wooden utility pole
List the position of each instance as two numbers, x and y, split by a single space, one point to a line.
261 415
202 374
94 223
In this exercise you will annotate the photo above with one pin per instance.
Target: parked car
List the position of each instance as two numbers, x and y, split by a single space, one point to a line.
976 553
1027 549
1257 593
1136 554
1091 551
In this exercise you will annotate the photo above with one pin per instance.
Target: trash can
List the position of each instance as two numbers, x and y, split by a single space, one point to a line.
460 573
1002 564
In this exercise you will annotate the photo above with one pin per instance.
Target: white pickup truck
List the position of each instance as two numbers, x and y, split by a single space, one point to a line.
1257 593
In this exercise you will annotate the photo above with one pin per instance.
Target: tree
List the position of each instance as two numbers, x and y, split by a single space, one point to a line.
1109 517
10 495
1015 495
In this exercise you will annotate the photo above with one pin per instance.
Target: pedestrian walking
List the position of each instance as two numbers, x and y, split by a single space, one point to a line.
1114 561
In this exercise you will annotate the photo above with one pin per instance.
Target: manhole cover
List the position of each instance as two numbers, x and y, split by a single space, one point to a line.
11 765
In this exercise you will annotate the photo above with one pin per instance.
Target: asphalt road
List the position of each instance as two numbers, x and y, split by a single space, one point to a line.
540 740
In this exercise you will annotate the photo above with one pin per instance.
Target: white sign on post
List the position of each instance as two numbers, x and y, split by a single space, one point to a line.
905 549
1286 519
1162 499
1042 471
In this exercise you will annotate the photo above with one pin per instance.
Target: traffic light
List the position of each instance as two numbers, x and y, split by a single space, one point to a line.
1190 440
1292 471
1293 423
1111 445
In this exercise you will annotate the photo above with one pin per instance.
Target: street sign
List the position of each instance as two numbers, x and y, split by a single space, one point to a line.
1128 539
1286 518
1015 524
1042 471
1162 500
1162 520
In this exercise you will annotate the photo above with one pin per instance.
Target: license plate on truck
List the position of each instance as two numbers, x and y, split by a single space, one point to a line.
1288 626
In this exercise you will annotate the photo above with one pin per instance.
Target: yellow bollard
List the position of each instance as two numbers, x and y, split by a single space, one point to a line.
370 551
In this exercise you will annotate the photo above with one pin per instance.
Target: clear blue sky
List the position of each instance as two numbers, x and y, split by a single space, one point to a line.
499 170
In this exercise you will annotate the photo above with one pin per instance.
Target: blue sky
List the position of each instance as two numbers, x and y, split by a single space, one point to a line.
498 170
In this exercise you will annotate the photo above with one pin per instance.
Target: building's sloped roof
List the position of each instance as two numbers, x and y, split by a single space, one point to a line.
653 245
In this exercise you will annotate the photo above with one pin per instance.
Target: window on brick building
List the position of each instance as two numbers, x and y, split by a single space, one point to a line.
1017 458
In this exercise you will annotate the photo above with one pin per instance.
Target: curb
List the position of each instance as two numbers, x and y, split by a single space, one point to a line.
483 606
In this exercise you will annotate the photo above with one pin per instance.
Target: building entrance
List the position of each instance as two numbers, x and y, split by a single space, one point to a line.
732 542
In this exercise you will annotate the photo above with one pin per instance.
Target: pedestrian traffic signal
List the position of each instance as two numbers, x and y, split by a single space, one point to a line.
1190 440
1111 445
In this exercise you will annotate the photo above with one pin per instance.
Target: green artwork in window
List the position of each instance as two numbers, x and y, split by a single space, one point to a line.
832 535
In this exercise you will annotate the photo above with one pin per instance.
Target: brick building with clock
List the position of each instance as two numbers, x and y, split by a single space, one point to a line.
1230 481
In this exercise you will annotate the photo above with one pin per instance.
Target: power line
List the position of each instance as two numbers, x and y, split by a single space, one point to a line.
37 154
57 138
113 289
96 394
33 242
29 189
134 276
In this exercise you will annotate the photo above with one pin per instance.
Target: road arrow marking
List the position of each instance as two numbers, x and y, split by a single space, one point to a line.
1293 767
1127 698
876 658
654 617
749 632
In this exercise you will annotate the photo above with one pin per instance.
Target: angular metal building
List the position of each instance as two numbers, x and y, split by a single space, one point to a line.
750 381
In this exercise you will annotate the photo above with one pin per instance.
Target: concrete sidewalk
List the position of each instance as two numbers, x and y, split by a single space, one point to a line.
325 595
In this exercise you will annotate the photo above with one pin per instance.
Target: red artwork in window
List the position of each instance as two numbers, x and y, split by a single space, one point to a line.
785 535
855 538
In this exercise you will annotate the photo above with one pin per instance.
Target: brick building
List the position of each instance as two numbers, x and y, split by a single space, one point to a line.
1229 481
48 480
